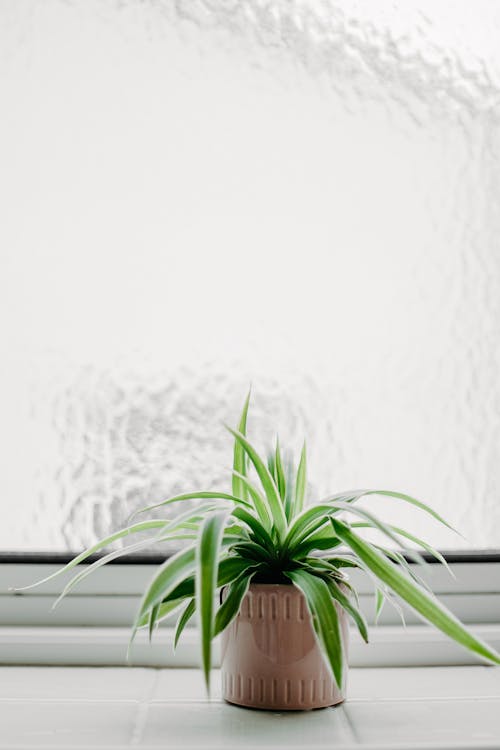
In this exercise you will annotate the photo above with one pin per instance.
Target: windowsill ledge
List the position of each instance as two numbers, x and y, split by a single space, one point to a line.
390 646
452 708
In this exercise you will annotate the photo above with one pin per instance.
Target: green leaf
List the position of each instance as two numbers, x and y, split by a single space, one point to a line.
235 530
170 574
306 523
316 542
354 495
229 569
231 604
195 515
427 547
165 610
260 533
422 602
415 502
261 505
272 494
325 619
343 562
207 560
255 552
290 488
183 620
380 526
183 590
101 544
389 597
239 457
379 603
320 565
89 569
194 496
153 616
349 607
301 482
271 465
280 472
399 559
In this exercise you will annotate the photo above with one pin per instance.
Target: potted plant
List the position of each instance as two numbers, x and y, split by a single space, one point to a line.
280 566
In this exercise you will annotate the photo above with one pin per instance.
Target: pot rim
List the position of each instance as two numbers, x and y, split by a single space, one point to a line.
284 585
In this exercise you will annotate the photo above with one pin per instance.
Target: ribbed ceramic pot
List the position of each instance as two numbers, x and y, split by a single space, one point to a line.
270 658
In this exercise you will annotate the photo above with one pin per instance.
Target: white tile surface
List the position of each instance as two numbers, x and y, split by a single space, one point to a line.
423 682
97 683
86 724
423 723
409 709
219 725
185 684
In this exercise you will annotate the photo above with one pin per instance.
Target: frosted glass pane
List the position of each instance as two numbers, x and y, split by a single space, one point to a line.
200 195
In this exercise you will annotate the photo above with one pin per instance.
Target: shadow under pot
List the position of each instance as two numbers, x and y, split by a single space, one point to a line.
270 658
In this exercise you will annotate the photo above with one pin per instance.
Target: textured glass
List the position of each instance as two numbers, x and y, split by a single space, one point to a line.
199 195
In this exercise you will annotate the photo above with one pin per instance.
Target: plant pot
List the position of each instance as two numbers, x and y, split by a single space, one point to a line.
270 657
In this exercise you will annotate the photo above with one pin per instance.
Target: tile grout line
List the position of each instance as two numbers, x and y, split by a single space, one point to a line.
68 701
425 699
355 701
350 724
142 712
201 701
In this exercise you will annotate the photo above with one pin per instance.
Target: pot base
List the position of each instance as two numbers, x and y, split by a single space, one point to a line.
273 694
253 707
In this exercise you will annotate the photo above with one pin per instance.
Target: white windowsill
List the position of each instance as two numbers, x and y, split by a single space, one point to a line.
440 708
390 646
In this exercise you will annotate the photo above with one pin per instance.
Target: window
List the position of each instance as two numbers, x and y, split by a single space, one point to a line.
199 197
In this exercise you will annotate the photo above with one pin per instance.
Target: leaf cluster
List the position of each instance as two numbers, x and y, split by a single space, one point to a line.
265 531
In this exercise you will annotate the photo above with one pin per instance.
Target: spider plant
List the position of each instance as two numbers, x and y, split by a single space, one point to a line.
265 531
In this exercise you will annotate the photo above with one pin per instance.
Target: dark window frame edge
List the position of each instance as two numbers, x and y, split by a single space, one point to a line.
62 558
